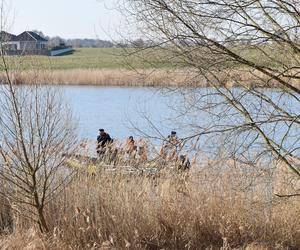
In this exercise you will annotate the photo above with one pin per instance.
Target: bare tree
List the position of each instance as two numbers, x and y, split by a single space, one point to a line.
247 53
36 131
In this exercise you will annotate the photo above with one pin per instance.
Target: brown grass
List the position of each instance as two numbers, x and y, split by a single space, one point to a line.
148 77
106 77
216 206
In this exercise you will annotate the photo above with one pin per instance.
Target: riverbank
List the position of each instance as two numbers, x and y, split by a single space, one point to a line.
142 78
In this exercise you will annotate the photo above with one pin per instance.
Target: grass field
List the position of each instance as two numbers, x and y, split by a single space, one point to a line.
118 58
85 58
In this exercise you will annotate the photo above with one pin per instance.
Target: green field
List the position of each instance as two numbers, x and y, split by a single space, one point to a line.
82 58
87 58
118 58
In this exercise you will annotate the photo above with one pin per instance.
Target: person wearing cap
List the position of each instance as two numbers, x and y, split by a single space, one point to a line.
103 139
173 139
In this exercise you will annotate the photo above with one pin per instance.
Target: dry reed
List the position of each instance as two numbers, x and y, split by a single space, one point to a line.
147 78
218 205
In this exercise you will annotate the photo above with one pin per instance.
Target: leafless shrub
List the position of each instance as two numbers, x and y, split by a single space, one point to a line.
36 130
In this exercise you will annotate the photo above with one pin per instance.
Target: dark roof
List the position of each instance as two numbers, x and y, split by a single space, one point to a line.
30 36
6 37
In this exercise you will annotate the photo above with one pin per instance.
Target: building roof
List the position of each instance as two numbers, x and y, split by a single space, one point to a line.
6 37
27 36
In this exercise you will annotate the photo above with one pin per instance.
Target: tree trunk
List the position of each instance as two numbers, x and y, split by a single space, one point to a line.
42 221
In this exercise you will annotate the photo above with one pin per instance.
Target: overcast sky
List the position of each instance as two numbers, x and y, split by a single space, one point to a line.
65 18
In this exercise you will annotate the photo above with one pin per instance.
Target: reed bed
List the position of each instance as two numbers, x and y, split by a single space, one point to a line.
216 205
144 78
105 77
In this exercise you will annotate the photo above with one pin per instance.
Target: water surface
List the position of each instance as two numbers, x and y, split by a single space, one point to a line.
118 110
150 112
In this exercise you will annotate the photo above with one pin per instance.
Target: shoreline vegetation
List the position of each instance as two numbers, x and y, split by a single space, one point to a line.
140 78
151 204
200 209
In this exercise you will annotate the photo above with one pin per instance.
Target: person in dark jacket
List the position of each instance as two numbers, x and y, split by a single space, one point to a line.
102 139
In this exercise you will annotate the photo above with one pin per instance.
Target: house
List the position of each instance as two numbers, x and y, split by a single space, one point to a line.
27 42
8 41
30 43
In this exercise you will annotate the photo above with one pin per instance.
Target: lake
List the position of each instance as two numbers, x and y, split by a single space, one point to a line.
151 112
119 109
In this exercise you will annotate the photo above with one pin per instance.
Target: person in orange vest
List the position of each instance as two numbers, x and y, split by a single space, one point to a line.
131 147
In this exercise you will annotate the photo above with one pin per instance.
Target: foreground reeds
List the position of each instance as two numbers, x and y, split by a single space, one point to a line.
214 206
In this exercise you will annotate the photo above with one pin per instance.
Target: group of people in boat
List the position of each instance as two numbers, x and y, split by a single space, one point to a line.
169 150
131 148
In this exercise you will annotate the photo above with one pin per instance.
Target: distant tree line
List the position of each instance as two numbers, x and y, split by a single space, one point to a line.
57 41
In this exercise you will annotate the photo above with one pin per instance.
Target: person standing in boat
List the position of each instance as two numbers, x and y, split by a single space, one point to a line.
170 147
142 151
172 139
102 140
131 147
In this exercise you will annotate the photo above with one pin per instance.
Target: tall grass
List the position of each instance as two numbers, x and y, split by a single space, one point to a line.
218 205
98 77
148 78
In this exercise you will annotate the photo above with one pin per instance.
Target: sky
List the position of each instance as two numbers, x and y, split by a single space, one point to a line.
65 18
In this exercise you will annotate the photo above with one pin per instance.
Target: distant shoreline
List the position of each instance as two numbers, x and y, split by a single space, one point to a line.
140 78
111 67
